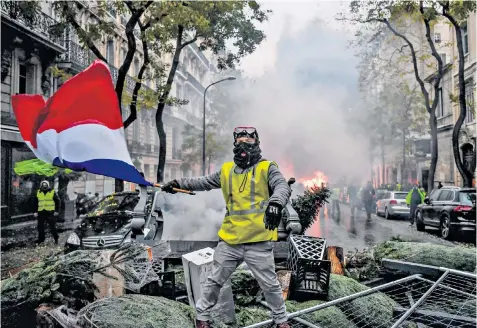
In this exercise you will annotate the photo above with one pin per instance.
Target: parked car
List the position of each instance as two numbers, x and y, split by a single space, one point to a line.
380 193
393 204
451 209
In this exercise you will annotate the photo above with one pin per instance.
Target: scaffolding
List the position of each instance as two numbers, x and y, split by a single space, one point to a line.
449 300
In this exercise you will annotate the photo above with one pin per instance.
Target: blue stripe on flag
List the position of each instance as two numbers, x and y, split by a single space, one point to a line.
107 167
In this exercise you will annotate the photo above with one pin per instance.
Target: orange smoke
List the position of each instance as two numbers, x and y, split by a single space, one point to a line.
317 179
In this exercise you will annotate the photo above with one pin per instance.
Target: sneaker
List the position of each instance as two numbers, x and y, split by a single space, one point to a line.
411 224
202 324
283 325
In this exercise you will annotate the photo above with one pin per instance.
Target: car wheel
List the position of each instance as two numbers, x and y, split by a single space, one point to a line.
446 231
377 211
387 216
420 226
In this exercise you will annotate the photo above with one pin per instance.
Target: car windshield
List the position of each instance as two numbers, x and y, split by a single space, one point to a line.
115 202
467 197
400 195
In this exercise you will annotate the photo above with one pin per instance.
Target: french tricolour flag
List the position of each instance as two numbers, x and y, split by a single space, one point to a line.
80 127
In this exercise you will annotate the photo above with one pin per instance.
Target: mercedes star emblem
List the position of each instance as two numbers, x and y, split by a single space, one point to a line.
101 242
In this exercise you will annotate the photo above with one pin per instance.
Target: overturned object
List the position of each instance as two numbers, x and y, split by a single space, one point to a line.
197 268
310 270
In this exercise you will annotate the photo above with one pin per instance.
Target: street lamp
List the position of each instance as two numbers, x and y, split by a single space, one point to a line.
231 78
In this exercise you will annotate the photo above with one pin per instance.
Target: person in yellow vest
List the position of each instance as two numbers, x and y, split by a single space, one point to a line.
398 187
46 211
255 193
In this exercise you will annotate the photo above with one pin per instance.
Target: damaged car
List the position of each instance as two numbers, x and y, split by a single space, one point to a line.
108 225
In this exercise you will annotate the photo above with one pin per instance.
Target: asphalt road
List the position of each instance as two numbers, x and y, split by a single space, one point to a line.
356 233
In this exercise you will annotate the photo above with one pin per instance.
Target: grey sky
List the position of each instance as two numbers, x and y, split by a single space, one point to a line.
289 18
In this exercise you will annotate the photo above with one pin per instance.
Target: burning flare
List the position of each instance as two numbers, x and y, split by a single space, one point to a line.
318 178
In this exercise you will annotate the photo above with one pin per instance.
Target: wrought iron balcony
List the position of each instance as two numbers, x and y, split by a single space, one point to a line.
82 58
39 23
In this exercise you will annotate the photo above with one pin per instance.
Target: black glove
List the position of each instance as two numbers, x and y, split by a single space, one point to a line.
273 215
168 187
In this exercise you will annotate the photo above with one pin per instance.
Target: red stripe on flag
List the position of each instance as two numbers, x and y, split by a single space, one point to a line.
27 109
86 97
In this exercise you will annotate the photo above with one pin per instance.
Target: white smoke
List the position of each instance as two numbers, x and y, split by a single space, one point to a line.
300 107
195 217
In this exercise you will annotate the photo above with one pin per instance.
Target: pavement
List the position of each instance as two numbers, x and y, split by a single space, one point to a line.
356 233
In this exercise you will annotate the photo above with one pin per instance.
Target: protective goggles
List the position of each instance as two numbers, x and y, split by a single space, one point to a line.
245 131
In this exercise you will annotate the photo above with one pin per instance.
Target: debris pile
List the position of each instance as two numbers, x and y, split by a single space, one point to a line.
71 280
365 265
61 290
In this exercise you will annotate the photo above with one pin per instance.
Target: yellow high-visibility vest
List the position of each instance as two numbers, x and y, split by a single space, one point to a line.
335 194
45 201
246 197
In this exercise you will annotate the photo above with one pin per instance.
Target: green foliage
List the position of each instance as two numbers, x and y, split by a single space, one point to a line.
374 309
308 205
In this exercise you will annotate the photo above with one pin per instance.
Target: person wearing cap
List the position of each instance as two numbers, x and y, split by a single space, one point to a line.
46 211
255 193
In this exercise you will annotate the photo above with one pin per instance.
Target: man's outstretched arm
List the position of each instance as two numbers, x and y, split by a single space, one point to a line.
204 183
281 191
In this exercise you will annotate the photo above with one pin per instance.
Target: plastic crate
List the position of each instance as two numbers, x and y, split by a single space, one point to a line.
304 248
311 280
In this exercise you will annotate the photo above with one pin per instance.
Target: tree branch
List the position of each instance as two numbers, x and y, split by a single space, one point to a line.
133 107
435 54
123 70
194 39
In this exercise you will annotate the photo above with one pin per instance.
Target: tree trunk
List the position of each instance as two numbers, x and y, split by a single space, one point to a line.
383 172
465 173
162 104
403 168
162 144
62 188
434 151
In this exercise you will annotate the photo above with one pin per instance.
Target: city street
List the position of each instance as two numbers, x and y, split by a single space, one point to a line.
351 233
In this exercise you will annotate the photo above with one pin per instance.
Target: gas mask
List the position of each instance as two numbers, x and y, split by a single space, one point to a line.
247 152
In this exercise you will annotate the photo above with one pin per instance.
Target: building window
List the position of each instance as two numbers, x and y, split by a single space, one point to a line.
123 56
444 59
437 37
26 79
440 106
465 39
146 172
469 101
110 52
136 66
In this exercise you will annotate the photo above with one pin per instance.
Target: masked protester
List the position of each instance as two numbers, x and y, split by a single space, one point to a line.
46 211
255 193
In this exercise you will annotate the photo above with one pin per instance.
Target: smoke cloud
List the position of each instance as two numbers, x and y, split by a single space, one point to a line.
195 217
300 106
300 109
